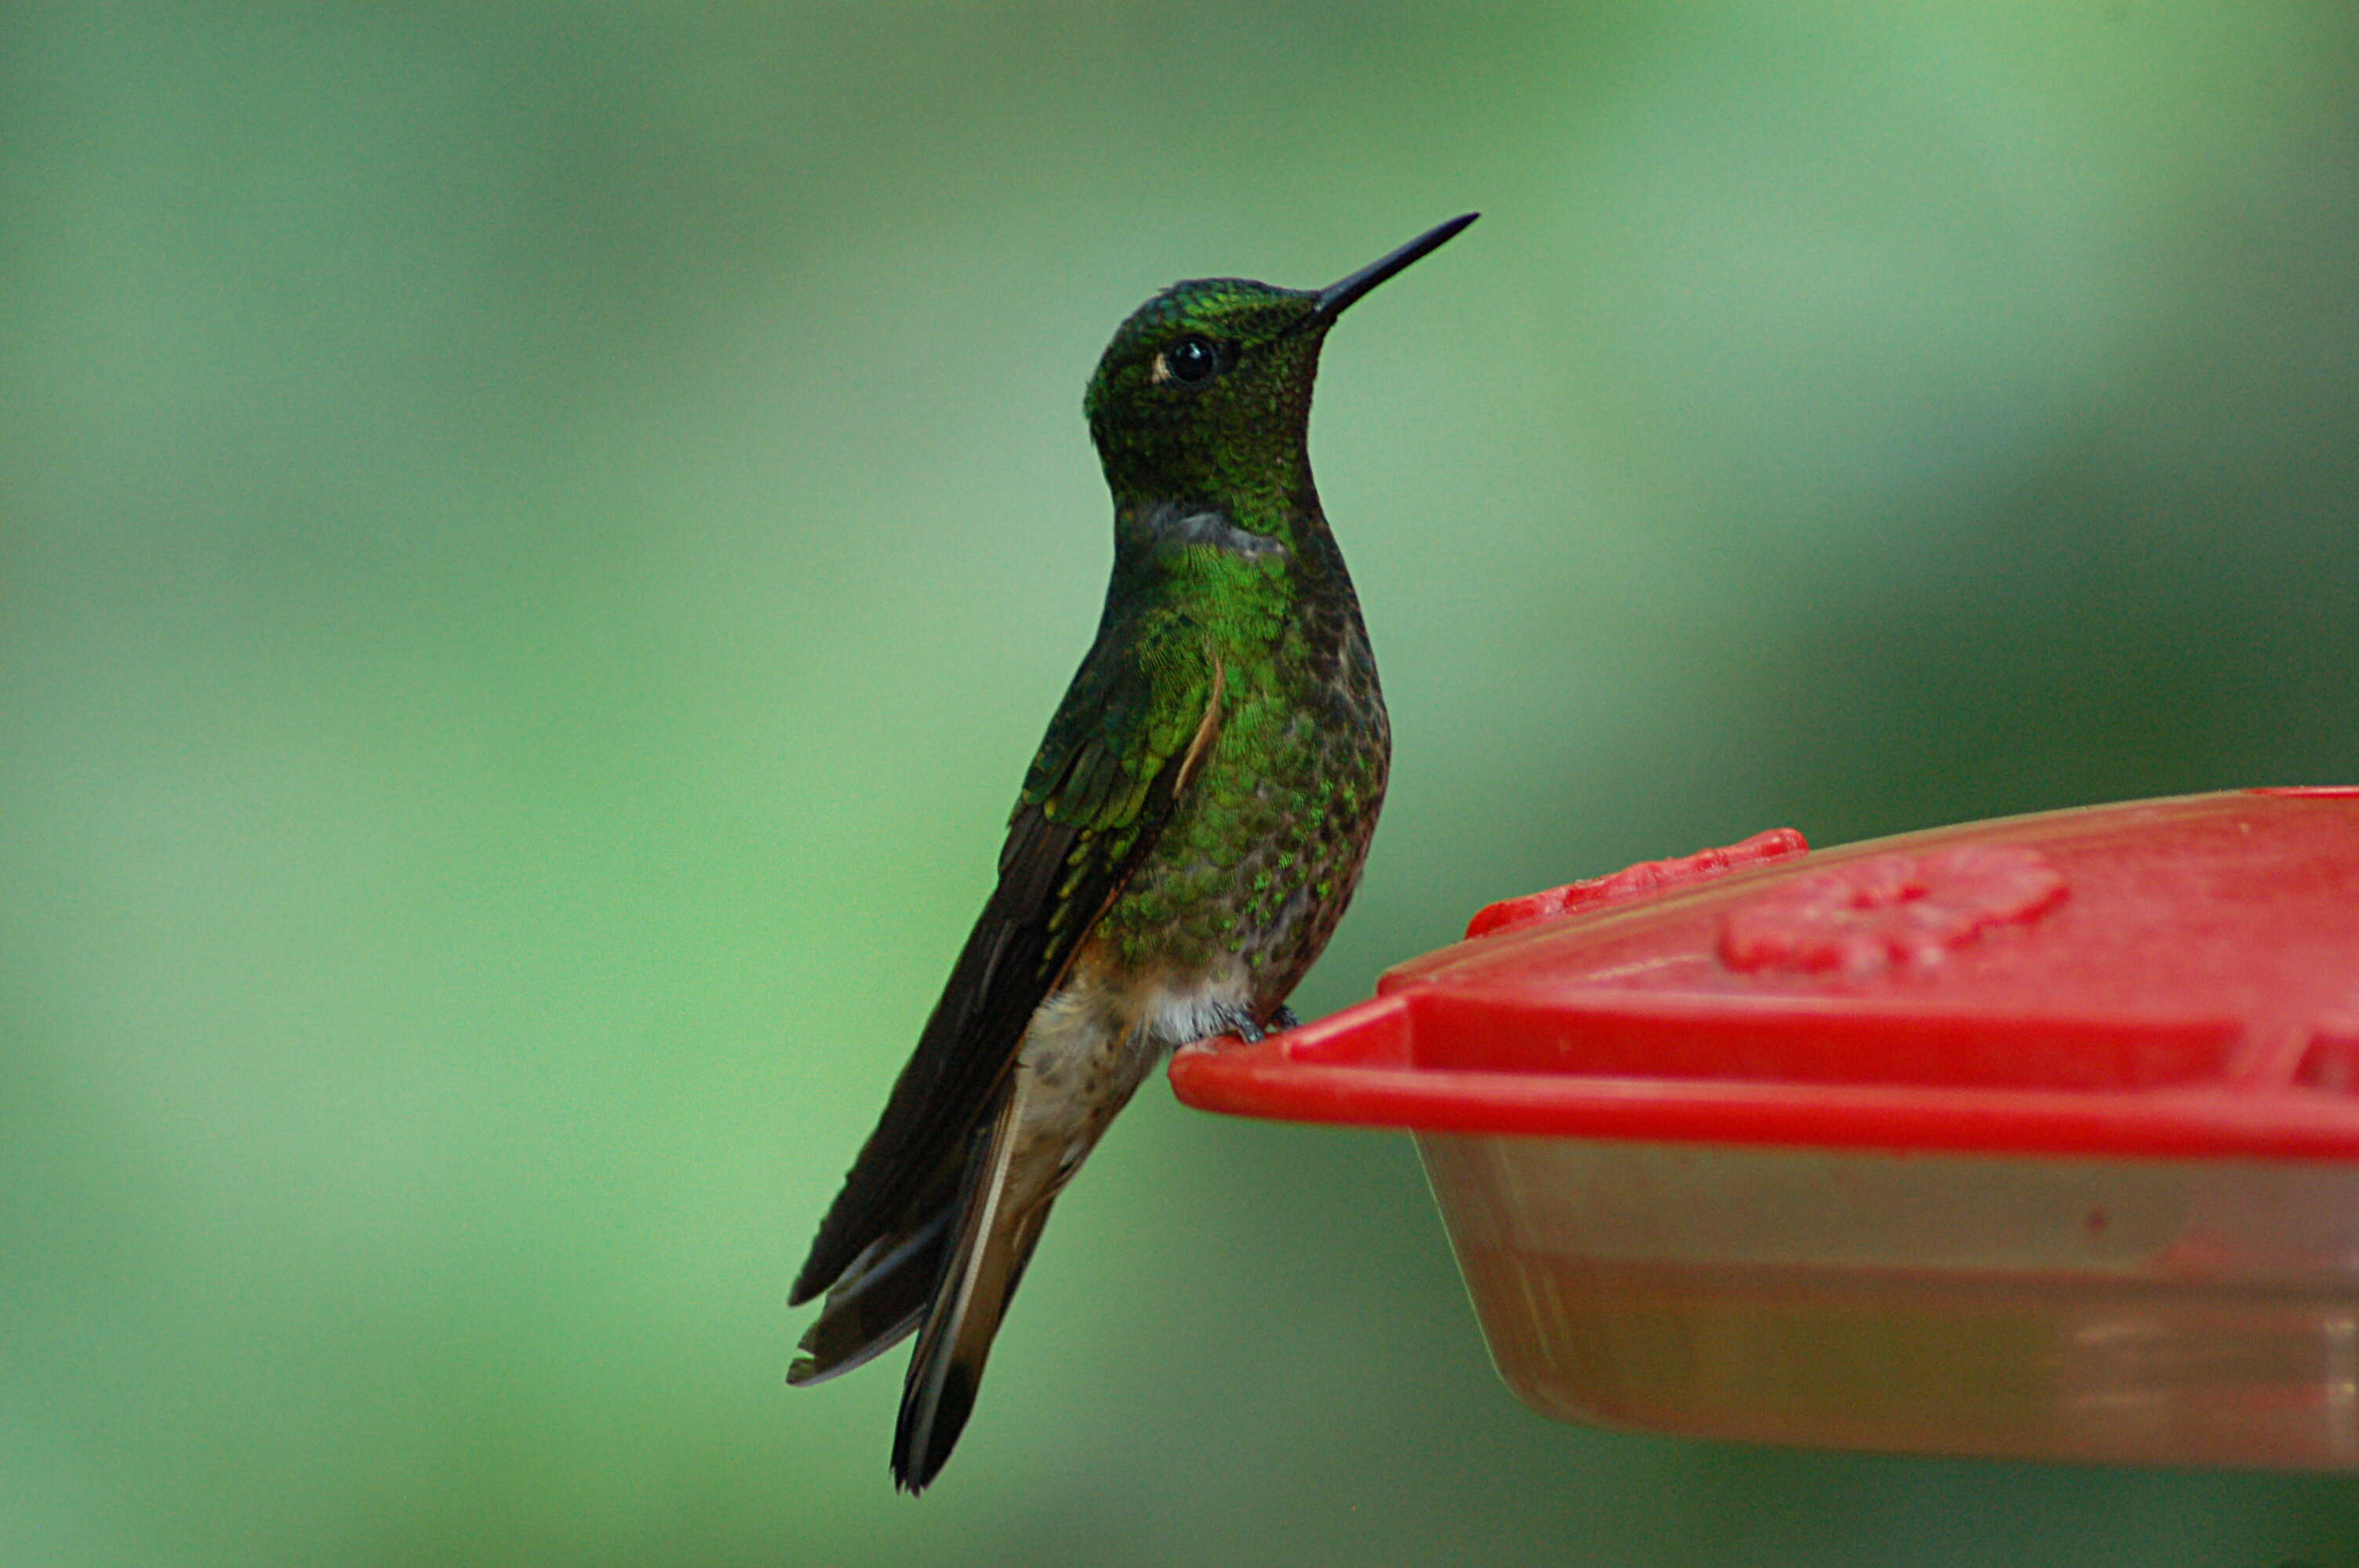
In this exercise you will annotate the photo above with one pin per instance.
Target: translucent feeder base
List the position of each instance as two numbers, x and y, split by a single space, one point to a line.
2093 1311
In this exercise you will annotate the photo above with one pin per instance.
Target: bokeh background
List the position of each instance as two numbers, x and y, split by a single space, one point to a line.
536 542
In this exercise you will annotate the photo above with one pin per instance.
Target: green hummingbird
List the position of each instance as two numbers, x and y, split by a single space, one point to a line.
1188 836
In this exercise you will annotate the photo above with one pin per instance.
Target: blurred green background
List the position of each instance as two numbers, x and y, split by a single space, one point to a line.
536 541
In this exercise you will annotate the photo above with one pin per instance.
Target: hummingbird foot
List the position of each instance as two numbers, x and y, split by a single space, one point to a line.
1241 1024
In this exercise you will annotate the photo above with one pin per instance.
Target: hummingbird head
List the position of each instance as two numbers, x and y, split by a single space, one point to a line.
1203 396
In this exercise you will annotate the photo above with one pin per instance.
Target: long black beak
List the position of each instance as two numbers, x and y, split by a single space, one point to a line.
1336 296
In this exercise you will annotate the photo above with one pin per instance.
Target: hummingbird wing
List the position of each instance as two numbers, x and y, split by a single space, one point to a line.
1140 712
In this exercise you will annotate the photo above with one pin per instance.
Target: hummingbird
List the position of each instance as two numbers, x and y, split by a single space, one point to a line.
1187 837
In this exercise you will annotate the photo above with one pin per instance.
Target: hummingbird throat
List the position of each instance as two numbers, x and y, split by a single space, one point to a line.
1175 527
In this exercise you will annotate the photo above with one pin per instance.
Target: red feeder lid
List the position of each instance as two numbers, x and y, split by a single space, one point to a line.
2171 977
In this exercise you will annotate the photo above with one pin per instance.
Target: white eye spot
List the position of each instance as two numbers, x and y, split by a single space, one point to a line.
1160 372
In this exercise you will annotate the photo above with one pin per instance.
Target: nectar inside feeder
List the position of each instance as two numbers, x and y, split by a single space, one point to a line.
2035 1138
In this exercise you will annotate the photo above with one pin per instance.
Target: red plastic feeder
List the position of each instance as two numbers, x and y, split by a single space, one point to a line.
2035 1138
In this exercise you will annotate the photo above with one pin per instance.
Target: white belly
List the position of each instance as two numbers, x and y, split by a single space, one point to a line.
1092 1043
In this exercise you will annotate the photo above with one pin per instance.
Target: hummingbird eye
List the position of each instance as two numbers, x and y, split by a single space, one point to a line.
1190 362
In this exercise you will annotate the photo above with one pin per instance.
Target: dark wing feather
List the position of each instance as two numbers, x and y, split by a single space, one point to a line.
1102 783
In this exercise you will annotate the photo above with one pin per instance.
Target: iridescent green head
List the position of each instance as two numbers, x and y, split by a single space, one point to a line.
1204 395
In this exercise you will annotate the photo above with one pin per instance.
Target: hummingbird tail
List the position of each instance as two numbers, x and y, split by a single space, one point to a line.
997 1229
878 1302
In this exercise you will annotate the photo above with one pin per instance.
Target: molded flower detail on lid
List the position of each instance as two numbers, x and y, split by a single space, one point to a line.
1905 912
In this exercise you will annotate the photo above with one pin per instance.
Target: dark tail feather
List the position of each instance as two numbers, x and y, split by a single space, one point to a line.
998 1229
880 1302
